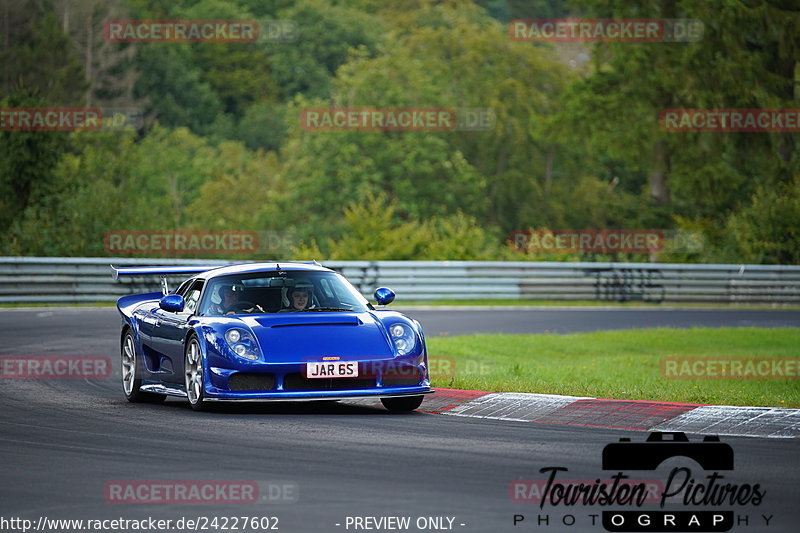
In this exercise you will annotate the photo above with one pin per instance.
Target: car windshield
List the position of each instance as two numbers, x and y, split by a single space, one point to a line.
280 292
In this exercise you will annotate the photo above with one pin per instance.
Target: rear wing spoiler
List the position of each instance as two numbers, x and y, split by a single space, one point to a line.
164 271
180 269
161 270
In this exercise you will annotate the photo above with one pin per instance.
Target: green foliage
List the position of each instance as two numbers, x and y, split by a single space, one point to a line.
431 62
171 167
506 10
263 126
240 184
27 159
174 90
747 58
41 60
169 180
93 192
768 230
371 232
571 146
419 170
326 33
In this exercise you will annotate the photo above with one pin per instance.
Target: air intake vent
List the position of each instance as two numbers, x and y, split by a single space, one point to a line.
243 381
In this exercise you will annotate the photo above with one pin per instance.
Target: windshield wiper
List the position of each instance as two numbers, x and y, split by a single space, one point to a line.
326 309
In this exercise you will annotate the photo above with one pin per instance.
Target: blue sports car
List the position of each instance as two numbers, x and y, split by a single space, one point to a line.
268 331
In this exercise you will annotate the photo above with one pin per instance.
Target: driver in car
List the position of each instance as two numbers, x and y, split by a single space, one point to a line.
230 303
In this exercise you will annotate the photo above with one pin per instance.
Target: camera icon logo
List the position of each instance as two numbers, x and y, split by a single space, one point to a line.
711 454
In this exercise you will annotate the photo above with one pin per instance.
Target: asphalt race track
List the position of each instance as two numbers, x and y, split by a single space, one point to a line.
63 441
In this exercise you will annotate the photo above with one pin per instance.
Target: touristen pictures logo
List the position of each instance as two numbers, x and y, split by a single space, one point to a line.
708 499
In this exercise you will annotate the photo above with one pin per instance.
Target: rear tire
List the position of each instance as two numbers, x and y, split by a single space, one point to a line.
402 404
131 373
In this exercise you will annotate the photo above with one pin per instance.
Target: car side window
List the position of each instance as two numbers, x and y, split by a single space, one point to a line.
326 288
192 297
184 287
342 295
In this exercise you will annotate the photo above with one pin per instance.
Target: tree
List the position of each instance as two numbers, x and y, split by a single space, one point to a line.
472 63
238 72
108 181
372 232
174 91
326 33
768 230
239 188
93 191
38 58
448 58
263 126
108 67
27 160
747 58
325 171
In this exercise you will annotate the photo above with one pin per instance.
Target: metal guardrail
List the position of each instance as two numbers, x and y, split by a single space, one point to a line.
74 280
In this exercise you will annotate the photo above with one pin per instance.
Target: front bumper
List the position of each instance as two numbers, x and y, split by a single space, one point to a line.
257 381
320 396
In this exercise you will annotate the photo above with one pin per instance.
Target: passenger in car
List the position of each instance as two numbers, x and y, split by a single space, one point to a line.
300 298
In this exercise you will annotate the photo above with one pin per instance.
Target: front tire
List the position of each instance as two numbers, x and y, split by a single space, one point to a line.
193 366
131 374
402 404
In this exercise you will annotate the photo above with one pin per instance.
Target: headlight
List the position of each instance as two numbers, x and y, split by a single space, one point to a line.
404 338
242 343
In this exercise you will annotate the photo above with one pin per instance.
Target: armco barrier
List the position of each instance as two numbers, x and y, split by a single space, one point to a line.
74 280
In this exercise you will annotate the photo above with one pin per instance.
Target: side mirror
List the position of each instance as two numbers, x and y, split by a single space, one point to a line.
172 302
384 295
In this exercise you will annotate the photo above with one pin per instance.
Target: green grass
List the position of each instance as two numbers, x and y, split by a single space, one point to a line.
617 364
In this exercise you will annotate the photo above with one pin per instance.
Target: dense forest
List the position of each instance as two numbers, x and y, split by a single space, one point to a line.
210 136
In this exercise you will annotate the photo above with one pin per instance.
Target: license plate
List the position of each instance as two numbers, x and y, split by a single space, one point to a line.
332 370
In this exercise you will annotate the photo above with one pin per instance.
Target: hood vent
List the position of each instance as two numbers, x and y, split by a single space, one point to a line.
292 325
311 321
